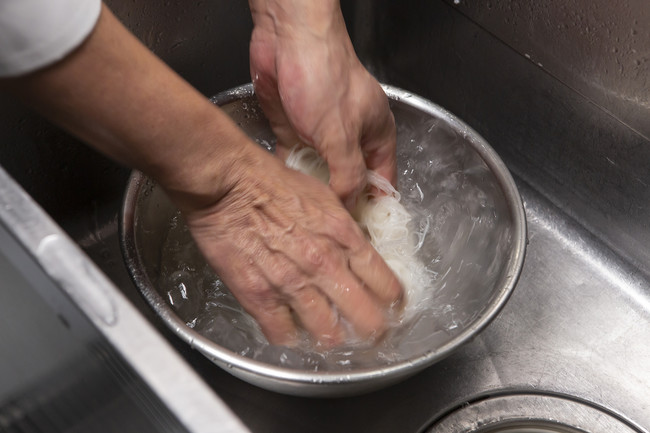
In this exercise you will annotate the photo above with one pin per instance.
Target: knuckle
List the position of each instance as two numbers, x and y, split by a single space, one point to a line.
285 276
316 254
342 223
346 185
290 281
261 293
366 254
355 241
254 292
333 260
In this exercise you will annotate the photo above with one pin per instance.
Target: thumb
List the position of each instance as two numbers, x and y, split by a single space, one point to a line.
347 173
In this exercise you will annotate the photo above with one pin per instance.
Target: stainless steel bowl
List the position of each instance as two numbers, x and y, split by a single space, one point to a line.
478 242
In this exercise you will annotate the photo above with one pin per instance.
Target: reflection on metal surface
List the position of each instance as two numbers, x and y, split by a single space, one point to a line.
607 59
529 413
58 256
57 373
536 427
99 330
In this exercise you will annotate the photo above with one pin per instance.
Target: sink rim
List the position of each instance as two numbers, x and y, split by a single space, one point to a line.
534 411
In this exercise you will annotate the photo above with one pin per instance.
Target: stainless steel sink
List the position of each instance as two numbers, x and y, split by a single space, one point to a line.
577 328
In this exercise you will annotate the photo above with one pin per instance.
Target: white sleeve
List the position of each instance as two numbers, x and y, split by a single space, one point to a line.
36 33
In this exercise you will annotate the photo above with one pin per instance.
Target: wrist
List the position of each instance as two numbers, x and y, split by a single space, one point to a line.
298 18
214 161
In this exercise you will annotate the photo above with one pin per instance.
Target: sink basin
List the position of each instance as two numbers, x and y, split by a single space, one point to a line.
576 326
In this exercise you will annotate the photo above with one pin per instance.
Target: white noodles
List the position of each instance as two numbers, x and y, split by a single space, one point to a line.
386 222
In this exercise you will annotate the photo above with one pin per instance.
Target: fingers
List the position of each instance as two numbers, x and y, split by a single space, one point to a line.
356 304
317 316
359 259
347 270
369 267
378 135
380 147
269 98
292 287
311 271
277 322
347 170
259 299
318 308
287 249
318 301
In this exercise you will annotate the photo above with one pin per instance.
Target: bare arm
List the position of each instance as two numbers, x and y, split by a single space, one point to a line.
282 242
115 94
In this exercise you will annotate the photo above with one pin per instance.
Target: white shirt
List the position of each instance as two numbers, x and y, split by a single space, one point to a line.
36 33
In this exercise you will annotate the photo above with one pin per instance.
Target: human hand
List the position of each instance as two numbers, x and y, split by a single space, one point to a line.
287 249
281 241
314 90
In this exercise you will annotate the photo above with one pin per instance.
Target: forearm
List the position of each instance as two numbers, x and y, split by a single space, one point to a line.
288 17
117 96
290 245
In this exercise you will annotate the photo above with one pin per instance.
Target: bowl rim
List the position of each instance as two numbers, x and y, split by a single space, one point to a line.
294 381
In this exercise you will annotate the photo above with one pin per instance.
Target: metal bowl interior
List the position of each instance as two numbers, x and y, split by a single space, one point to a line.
480 275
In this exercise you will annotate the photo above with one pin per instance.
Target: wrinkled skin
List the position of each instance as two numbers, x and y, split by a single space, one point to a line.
281 241
296 250
315 91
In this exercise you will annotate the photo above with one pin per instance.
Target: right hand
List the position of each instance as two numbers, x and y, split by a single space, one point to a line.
315 91
284 245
